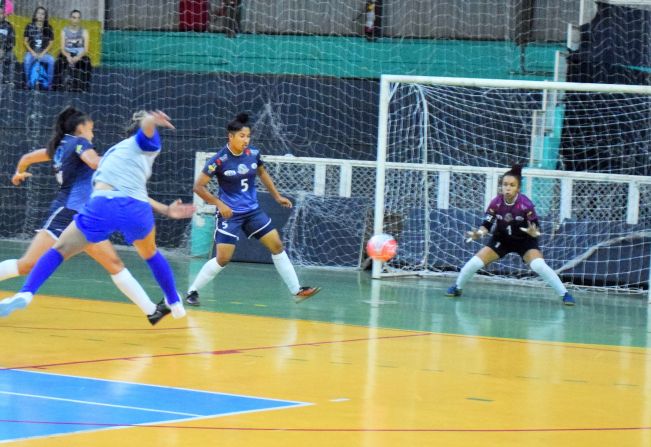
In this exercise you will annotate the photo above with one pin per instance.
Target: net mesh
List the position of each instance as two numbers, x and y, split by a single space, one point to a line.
594 225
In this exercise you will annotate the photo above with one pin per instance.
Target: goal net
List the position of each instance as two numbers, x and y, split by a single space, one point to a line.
305 71
444 143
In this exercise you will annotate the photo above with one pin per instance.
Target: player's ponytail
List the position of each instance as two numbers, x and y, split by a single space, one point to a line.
515 171
134 124
239 122
66 122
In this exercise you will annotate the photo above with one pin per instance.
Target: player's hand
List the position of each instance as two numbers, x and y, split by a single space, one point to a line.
475 235
180 210
531 230
20 177
161 119
225 211
284 202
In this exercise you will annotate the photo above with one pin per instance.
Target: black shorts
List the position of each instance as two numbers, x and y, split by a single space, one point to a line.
58 221
503 246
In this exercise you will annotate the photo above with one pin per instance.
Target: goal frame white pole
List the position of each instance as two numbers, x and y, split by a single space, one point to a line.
387 80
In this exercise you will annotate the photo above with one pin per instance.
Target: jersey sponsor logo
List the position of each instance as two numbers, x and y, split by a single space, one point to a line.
230 173
519 218
79 149
508 217
212 167
242 169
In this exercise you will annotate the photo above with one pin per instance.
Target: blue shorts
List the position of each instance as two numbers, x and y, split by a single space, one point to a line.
58 221
255 224
103 216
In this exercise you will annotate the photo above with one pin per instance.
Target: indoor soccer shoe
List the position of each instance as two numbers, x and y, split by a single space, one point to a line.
178 311
159 313
306 292
453 291
18 301
568 299
192 299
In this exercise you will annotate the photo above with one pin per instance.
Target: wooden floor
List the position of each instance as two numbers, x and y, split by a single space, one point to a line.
362 364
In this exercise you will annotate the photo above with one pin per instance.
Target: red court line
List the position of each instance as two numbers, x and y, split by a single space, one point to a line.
96 329
221 352
643 352
346 430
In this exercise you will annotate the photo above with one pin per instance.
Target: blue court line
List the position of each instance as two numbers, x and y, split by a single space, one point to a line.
36 404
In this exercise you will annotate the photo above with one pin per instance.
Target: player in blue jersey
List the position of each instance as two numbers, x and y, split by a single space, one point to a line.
119 202
516 231
236 166
73 160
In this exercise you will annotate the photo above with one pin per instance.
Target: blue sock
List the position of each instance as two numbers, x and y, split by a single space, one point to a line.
43 269
163 274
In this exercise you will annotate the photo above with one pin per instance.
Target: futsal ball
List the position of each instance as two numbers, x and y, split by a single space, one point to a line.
381 247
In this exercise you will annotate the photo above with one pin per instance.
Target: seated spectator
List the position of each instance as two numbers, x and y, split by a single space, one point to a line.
7 43
38 39
73 65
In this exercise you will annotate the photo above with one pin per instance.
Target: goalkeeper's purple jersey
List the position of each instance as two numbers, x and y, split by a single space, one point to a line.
510 218
236 177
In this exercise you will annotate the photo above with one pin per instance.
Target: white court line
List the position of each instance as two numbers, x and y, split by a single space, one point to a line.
88 402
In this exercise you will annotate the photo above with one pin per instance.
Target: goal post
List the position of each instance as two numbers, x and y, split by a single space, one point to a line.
454 137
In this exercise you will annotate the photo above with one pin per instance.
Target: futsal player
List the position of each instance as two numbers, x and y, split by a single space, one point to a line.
119 202
516 222
74 160
236 166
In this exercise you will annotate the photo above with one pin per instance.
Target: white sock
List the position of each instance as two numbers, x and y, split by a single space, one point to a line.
206 274
134 291
468 270
286 271
539 266
9 269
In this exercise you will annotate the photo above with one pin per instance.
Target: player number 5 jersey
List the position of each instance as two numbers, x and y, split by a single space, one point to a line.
236 175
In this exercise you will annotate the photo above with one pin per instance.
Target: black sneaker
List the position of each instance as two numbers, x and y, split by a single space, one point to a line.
192 299
159 313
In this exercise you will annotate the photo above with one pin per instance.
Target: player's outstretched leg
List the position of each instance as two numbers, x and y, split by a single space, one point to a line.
207 273
472 266
288 274
16 302
162 272
43 269
539 266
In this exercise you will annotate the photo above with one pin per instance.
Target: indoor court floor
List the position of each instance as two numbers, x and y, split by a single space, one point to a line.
364 363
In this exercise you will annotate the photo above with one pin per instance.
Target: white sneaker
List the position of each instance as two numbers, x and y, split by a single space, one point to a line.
178 311
18 301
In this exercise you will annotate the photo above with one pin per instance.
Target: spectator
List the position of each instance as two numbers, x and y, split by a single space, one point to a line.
73 65
38 40
7 43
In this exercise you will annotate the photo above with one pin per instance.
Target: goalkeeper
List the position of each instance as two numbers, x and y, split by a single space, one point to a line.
516 231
